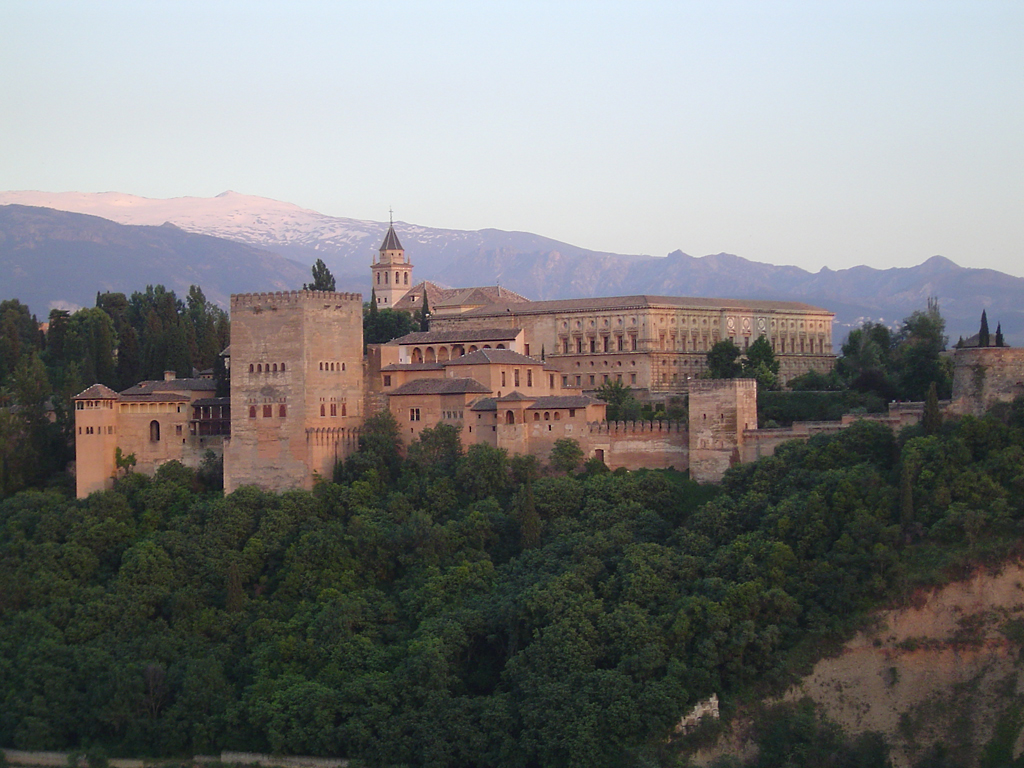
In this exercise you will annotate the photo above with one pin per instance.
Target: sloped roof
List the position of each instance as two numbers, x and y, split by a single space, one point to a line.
488 356
453 297
467 335
441 387
172 385
612 303
485 404
515 397
96 392
212 401
391 242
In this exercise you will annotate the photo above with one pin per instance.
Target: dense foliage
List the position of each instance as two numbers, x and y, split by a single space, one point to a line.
461 609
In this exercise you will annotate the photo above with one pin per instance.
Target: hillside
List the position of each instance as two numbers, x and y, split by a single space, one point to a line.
542 268
57 259
946 667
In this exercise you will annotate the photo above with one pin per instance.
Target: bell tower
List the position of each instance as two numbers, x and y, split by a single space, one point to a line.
391 273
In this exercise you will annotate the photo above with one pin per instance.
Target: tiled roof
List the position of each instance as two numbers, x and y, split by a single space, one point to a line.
485 404
153 397
468 335
453 297
391 242
172 385
612 303
487 356
96 392
563 401
515 397
441 387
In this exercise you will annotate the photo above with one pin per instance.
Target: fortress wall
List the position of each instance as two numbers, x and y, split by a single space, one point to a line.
640 444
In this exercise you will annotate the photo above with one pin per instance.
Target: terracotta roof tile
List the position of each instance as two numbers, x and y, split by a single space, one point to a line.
441 387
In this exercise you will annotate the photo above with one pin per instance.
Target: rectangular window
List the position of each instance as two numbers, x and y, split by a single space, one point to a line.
334 409
593 345
579 346
503 378
387 380
632 378
551 380
515 377
565 346
632 341
618 342
606 340
414 414
579 381
268 411
177 429
526 349
591 379
572 413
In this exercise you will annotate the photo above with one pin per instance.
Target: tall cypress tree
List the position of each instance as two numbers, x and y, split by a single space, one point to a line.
983 339
1000 342
424 317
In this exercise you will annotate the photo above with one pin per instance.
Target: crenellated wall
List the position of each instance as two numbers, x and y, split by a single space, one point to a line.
639 444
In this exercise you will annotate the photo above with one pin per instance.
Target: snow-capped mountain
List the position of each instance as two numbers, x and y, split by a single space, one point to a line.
542 268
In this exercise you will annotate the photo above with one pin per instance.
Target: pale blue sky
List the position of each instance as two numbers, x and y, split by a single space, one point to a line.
807 133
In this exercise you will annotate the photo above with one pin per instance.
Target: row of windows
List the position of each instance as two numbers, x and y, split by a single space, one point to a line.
81 405
592 379
455 415
332 366
398 277
265 368
96 430
606 344
268 411
333 409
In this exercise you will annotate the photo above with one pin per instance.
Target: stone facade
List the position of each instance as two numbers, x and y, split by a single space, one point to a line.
296 386
984 376
721 410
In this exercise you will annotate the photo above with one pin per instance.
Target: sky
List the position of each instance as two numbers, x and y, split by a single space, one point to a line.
817 134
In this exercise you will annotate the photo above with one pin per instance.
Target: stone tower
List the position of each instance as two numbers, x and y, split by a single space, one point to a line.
296 387
720 410
96 439
392 274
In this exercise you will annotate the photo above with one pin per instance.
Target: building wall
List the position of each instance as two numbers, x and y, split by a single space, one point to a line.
984 376
658 348
298 418
96 440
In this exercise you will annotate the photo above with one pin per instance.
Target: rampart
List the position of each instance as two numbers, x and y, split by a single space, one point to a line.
242 300
640 444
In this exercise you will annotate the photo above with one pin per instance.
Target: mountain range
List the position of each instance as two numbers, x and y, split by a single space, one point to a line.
53 255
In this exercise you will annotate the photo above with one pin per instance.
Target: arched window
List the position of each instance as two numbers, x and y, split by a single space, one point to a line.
323 409
430 356
510 418
275 367
282 367
406 281
536 417
417 355
398 279
251 367
378 278
344 409
154 431
321 366
252 411
259 368
500 346
472 348
442 354
558 416
282 410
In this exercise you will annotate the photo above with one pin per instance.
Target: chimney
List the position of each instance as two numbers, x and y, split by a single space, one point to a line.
170 375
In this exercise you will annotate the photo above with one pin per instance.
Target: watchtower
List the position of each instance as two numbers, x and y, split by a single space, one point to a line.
296 386
391 273
720 410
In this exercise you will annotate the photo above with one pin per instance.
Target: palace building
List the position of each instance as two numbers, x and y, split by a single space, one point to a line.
512 373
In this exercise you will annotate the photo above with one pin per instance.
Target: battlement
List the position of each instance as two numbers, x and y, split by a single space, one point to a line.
623 428
714 385
274 298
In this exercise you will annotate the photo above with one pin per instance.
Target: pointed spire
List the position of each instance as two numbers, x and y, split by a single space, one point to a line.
391 242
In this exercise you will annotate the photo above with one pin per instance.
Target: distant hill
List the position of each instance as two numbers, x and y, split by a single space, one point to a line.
543 268
57 259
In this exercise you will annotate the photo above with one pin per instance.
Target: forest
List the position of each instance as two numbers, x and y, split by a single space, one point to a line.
453 608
